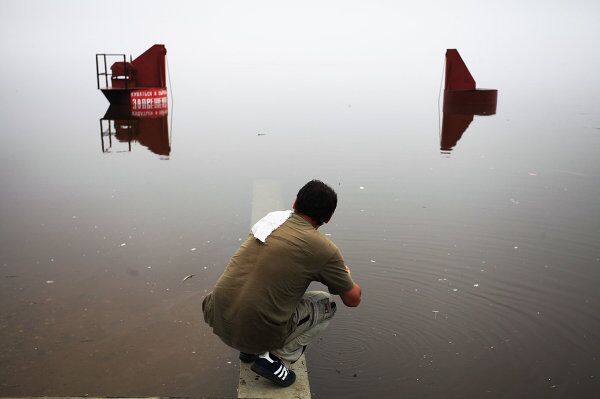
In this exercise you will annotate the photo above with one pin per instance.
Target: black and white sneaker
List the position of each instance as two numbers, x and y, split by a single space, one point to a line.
272 368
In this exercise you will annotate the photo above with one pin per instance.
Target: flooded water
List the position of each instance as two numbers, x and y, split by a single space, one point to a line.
479 259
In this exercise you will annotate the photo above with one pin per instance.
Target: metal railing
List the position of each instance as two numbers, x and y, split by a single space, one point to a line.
106 73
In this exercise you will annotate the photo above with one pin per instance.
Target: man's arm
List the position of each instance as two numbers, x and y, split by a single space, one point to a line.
351 297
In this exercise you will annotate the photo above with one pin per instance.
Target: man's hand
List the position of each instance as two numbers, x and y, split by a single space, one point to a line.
351 298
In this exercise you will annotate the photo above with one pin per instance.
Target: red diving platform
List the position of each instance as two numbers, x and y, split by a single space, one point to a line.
462 100
137 93
139 84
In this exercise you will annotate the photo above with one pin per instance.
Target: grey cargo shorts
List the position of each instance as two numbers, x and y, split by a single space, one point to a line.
311 317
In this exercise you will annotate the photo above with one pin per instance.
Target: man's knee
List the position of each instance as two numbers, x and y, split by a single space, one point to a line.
323 305
314 308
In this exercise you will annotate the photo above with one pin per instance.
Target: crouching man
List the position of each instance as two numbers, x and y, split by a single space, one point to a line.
260 305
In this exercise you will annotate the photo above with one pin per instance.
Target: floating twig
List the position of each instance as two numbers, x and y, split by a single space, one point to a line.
187 277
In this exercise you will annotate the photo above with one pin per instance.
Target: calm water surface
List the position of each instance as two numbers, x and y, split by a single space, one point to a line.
480 266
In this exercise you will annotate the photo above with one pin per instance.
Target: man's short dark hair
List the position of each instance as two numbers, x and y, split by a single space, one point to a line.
317 200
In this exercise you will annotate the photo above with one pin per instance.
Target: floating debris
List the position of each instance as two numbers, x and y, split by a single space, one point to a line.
187 277
475 285
49 281
373 261
361 187
532 174
123 244
193 249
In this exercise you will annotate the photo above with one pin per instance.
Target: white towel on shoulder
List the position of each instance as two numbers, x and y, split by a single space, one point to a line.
265 226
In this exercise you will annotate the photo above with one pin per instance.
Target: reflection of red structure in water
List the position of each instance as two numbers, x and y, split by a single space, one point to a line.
144 121
453 127
151 132
137 94
462 100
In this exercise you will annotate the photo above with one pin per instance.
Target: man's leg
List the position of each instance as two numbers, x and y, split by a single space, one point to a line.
311 317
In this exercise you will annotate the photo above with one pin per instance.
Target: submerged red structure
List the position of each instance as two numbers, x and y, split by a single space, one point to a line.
137 93
462 100
460 88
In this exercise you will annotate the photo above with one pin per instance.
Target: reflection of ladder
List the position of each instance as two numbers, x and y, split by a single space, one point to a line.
113 127
120 72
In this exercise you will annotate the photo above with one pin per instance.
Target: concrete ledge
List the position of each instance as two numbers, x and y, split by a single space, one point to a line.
252 385
266 197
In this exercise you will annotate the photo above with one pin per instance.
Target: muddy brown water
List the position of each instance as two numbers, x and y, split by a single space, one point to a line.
480 266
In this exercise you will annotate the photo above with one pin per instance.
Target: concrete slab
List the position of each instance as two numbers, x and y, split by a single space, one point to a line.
266 197
252 385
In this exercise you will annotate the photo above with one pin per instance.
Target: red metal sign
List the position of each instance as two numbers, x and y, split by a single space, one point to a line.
149 102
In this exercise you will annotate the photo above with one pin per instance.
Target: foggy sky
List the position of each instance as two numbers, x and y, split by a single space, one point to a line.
506 43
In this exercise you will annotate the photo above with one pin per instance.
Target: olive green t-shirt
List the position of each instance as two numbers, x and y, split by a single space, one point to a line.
252 303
